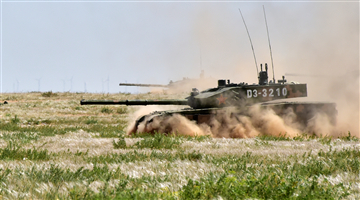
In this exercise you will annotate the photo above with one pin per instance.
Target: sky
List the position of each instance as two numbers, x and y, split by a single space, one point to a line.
92 46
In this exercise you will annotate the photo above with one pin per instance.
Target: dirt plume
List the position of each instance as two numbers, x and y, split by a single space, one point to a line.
227 123
144 110
176 124
140 112
257 122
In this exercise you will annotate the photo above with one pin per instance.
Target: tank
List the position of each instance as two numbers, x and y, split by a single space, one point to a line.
236 97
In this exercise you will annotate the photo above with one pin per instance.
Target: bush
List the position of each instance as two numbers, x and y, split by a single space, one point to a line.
91 121
49 94
15 120
106 110
122 110
120 143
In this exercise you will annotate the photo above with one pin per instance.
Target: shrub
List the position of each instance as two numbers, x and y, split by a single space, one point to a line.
91 121
122 110
49 94
15 120
120 144
106 110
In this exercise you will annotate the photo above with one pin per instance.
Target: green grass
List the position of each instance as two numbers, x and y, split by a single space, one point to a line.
48 129
133 156
15 120
14 151
285 137
276 182
350 138
106 110
91 121
58 175
20 137
181 137
272 185
305 137
285 180
301 177
122 110
4 173
157 141
54 148
34 121
45 130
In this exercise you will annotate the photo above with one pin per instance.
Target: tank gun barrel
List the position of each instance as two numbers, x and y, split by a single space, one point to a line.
143 85
134 102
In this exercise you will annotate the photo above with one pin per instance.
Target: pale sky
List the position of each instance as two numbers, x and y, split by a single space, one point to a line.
63 45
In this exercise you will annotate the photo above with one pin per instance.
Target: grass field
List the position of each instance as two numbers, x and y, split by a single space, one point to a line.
53 148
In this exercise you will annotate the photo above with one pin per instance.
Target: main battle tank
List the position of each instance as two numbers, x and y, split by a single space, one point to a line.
238 98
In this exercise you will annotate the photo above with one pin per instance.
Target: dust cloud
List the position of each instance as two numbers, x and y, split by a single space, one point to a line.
187 84
321 44
318 42
257 121
144 110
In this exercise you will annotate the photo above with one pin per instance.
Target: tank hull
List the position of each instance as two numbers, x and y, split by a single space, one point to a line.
301 113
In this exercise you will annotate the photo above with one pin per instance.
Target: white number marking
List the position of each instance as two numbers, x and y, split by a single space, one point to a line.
284 91
271 91
255 93
264 93
278 91
248 93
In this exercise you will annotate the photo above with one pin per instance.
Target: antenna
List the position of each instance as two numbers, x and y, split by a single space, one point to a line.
257 70
108 84
102 81
267 30
105 81
200 60
38 80
17 85
201 69
63 80
71 83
